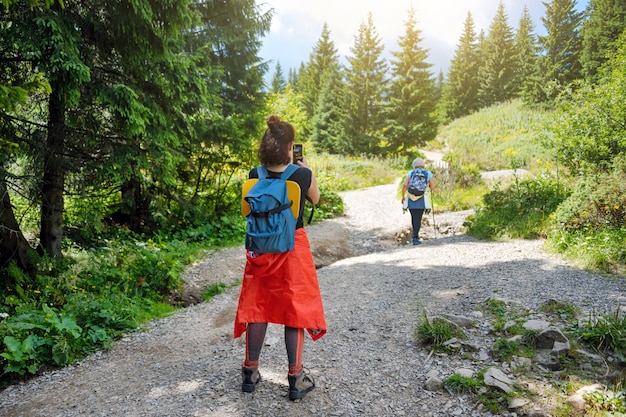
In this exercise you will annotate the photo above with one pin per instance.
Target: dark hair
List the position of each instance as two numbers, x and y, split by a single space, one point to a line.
274 148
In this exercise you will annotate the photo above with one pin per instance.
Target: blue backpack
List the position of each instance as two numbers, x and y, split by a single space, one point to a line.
271 219
418 182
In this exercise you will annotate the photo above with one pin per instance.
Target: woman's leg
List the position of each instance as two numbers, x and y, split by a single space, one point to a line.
250 376
416 222
294 342
300 382
255 335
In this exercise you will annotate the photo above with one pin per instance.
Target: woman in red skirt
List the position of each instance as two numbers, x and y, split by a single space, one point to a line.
281 288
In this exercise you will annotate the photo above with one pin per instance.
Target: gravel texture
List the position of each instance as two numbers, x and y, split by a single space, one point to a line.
374 287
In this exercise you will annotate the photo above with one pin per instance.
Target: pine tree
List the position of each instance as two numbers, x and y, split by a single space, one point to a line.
559 64
526 49
278 80
323 59
292 78
496 73
366 86
439 85
606 21
411 120
460 94
328 131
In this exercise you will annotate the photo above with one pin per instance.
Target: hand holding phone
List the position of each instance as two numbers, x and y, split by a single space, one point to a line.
297 152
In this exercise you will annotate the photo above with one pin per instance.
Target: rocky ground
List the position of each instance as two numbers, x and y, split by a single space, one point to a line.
375 288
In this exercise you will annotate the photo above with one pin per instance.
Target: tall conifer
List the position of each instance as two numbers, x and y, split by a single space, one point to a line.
460 93
323 58
526 49
366 85
606 21
411 120
496 73
560 64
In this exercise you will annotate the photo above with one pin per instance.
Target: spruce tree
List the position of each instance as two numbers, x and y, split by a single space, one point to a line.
496 73
292 78
460 93
559 64
323 58
366 85
328 132
278 80
411 119
526 49
606 21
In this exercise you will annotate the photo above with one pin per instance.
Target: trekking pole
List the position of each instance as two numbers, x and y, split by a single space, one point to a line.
432 209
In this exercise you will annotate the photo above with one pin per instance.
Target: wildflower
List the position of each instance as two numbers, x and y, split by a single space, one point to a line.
616 207
37 291
3 315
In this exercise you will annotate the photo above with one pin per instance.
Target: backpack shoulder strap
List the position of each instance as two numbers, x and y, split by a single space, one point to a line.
261 172
291 168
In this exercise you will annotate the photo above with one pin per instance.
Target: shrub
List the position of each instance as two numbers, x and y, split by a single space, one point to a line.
520 211
597 201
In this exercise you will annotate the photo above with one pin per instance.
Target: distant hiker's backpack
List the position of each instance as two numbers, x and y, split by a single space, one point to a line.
271 207
418 182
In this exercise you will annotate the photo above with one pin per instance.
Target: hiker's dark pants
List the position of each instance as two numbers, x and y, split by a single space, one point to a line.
416 221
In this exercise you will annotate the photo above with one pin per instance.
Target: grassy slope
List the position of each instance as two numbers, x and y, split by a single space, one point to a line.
503 136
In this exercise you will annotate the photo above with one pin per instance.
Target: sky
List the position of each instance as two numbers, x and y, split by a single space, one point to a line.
297 25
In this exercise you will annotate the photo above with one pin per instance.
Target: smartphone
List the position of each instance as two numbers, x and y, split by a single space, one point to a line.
297 152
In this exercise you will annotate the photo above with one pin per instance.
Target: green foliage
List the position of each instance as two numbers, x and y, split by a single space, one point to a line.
599 250
462 385
521 211
436 331
606 403
597 201
589 128
505 136
86 301
561 46
460 93
504 349
497 73
605 333
605 22
343 173
410 120
213 290
564 310
589 225
458 188
365 77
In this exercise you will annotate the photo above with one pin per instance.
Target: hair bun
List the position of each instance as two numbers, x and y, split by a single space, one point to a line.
273 119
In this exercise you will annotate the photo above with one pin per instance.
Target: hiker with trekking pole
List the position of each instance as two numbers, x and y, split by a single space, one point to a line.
414 196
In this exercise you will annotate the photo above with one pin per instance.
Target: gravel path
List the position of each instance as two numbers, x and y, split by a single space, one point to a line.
374 290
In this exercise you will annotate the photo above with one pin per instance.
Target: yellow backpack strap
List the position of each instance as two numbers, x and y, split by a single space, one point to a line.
293 193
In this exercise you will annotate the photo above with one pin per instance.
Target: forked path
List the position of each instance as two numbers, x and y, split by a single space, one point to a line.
367 365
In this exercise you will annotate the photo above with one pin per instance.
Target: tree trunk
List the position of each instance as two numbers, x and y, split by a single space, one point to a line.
135 205
52 205
13 245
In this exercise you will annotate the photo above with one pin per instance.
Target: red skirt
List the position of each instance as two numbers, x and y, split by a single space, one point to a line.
282 288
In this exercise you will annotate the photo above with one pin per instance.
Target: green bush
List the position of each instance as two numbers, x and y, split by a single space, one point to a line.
597 201
606 334
520 211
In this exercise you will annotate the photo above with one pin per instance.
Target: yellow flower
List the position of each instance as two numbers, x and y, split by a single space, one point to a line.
37 291
616 207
